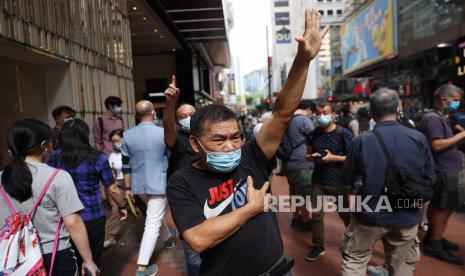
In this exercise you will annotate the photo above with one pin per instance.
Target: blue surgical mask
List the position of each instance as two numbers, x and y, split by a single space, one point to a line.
117 109
453 106
185 124
324 120
117 147
223 161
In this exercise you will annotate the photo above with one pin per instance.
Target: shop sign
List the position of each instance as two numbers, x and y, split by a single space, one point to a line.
368 36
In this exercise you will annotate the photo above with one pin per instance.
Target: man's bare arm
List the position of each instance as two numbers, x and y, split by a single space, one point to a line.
169 121
273 129
438 145
215 230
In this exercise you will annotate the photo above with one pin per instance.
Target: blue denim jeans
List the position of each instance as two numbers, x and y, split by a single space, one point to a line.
193 260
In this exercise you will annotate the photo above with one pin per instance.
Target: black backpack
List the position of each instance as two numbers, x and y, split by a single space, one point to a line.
400 186
287 146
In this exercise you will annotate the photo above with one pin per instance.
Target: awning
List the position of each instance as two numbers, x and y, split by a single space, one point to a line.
203 24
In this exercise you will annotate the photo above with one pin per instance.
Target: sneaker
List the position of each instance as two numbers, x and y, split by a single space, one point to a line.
170 243
450 245
109 243
378 270
315 253
152 270
442 254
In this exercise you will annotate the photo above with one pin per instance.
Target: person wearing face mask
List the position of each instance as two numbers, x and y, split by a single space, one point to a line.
145 164
114 221
105 124
88 168
61 115
220 202
177 123
448 163
24 178
328 149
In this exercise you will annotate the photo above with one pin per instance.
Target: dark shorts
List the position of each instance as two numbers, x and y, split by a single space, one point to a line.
446 191
64 265
300 181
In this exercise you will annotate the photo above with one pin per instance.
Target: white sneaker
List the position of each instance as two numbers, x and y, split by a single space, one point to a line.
109 243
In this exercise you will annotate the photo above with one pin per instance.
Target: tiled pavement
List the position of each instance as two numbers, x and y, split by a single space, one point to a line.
121 259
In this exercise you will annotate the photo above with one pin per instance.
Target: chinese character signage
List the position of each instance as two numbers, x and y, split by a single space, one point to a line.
368 36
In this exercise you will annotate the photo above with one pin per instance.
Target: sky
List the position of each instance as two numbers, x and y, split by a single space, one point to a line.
247 38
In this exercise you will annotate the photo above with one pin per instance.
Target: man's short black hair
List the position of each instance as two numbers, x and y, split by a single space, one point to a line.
306 104
322 104
213 113
112 100
56 113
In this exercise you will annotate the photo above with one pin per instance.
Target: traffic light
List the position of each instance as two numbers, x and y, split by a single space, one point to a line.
268 101
330 99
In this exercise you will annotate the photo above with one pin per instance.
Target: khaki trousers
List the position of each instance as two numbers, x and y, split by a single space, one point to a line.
114 224
401 246
318 191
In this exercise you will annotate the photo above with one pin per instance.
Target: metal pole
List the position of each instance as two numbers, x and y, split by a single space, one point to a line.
268 60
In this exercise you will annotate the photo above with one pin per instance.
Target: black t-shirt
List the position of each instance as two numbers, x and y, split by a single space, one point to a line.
182 154
195 195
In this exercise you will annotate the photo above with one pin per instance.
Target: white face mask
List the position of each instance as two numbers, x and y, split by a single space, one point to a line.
185 124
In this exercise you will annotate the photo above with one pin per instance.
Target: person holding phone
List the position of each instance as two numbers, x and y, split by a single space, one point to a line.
328 148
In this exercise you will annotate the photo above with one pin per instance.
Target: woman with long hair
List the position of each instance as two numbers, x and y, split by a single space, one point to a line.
88 167
23 180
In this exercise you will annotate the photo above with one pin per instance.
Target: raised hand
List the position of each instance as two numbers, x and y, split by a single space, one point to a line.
310 42
172 92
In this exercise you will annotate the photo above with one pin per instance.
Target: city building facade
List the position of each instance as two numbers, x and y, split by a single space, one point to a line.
73 53
288 22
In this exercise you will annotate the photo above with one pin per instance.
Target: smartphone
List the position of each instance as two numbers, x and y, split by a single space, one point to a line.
87 272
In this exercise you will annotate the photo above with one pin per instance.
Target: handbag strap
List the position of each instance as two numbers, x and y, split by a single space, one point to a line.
55 244
44 191
383 147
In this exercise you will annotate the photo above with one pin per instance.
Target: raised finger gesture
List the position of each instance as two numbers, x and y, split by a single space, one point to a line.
172 92
310 42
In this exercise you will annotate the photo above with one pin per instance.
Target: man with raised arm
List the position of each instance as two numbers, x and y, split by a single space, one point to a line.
218 202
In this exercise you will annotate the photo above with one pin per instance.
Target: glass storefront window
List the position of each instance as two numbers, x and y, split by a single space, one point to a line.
423 18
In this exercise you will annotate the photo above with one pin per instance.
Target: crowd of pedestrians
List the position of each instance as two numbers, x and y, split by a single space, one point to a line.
217 185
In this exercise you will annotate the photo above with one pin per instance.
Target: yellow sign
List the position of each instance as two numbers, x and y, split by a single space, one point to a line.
368 36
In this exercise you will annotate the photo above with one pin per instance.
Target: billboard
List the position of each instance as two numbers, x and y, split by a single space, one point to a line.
368 36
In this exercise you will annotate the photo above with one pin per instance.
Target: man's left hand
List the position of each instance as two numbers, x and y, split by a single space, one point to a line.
329 157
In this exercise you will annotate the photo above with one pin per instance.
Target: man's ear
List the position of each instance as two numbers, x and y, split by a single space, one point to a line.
193 142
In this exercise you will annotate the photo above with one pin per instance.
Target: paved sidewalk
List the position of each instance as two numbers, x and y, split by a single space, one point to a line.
121 259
